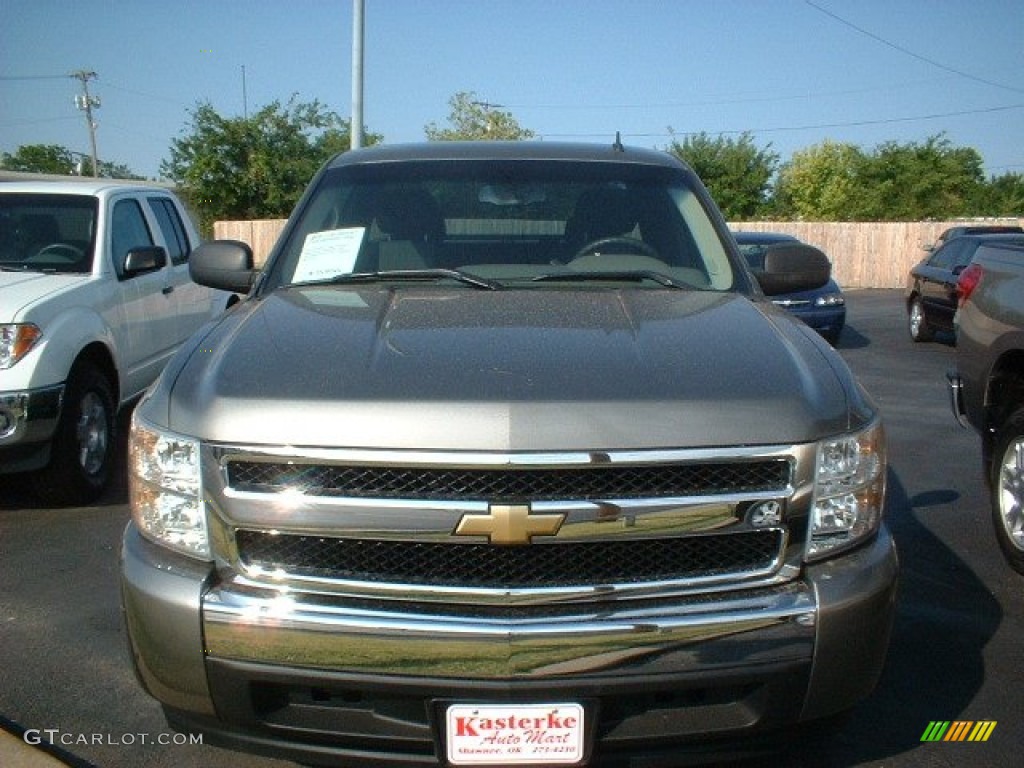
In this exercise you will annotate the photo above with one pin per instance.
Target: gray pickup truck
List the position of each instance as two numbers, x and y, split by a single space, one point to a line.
505 459
987 385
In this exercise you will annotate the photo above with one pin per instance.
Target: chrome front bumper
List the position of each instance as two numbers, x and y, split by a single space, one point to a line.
27 422
613 638
782 652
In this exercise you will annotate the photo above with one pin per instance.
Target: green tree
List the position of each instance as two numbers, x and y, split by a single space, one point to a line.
895 182
473 120
256 167
58 160
821 183
117 171
926 180
735 171
1002 196
40 158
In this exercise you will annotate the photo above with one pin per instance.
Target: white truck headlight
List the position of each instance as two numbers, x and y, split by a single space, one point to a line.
849 492
16 340
166 489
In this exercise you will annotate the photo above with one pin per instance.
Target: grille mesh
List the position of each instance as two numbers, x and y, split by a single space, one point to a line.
512 484
619 561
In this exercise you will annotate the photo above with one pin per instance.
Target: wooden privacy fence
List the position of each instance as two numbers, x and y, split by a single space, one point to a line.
864 254
260 234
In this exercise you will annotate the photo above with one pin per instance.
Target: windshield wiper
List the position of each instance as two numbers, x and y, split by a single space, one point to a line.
629 275
31 268
409 274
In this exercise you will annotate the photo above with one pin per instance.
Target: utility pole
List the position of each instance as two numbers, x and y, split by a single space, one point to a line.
356 127
86 102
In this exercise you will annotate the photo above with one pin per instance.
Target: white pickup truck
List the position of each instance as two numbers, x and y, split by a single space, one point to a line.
95 297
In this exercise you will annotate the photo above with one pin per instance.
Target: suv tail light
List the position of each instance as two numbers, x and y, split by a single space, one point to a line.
967 282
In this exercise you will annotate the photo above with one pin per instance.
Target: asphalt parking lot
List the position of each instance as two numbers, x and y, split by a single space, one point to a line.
68 695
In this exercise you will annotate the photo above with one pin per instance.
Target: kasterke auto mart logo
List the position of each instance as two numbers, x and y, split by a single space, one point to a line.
515 734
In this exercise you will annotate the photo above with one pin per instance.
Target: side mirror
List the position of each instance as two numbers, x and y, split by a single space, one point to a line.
226 265
793 267
144 259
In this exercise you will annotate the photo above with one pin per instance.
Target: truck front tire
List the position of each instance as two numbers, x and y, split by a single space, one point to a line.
82 447
1007 477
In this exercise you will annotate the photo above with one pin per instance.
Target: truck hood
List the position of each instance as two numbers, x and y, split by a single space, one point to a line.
430 368
18 290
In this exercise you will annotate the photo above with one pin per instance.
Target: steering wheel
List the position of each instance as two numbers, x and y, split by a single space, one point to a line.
61 252
631 243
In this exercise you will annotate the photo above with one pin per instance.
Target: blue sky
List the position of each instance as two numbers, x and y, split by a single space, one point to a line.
791 72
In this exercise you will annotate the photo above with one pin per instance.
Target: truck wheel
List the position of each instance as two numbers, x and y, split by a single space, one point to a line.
83 444
1007 494
920 330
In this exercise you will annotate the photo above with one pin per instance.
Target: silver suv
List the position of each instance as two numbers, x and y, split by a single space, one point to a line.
506 458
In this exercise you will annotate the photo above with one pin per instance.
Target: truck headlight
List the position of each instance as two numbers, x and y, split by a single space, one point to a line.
849 492
16 339
166 489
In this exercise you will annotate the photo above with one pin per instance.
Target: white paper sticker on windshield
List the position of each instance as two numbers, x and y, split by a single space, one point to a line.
328 254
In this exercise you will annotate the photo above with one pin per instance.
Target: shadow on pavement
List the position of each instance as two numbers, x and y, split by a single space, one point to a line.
851 338
945 617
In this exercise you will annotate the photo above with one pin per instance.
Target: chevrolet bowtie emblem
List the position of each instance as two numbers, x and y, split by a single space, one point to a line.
509 524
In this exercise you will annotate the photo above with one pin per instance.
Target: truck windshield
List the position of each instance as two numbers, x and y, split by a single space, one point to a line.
507 221
47 232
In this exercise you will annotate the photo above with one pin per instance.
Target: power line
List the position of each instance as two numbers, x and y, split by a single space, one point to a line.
107 84
889 120
908 52
116 87
780 129
35 121
723 100
12 78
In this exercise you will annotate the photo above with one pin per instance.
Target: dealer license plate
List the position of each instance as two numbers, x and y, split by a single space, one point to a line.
514 734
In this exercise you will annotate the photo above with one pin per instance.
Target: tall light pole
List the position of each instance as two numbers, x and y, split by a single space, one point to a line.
86 102
356 126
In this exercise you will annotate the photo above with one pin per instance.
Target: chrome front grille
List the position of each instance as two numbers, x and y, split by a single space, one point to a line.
497 485
543 565
383 524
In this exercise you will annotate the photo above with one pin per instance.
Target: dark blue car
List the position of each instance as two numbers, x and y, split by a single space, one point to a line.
824 308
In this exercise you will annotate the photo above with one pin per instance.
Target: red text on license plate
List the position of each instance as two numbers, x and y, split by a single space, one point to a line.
514 734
